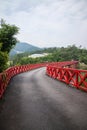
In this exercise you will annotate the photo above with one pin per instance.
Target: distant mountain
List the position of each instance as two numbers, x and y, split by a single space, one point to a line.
22 47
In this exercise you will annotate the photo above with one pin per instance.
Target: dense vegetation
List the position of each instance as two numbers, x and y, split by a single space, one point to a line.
54 54
7 41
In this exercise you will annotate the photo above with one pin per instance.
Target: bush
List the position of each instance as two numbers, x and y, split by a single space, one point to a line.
3 61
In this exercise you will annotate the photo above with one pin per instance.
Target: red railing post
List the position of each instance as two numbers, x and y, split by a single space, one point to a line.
77 85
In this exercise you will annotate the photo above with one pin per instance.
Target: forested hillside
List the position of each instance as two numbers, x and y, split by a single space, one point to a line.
54 54
22 47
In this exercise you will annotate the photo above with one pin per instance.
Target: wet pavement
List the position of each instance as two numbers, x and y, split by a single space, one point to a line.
34 101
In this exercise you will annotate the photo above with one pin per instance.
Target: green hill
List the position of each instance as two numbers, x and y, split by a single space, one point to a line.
22 47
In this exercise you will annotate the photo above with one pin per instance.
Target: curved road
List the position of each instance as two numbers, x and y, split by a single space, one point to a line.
34 101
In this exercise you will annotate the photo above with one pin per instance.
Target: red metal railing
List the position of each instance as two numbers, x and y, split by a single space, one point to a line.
9 73
63 71
75 77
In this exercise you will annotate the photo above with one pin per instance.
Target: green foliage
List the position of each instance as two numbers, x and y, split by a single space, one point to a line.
7 41
82 66
54 54
65 54
7 33
26 60
3 60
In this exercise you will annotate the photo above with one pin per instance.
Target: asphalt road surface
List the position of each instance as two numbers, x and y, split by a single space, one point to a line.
34 101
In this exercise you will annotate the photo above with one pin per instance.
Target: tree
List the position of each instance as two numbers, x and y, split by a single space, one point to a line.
7 36
7 41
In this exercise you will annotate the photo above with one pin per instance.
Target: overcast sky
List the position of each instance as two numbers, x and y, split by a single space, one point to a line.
48 23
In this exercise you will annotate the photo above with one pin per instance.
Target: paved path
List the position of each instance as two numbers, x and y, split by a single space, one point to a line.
34 101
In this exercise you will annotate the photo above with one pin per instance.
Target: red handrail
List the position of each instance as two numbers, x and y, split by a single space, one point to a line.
74 77
10 72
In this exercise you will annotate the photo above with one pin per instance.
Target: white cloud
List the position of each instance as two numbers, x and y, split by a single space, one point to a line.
48 22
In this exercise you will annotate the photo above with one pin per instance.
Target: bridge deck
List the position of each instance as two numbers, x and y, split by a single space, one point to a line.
34 101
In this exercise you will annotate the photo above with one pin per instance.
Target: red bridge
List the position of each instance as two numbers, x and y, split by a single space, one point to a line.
63 71
34 101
